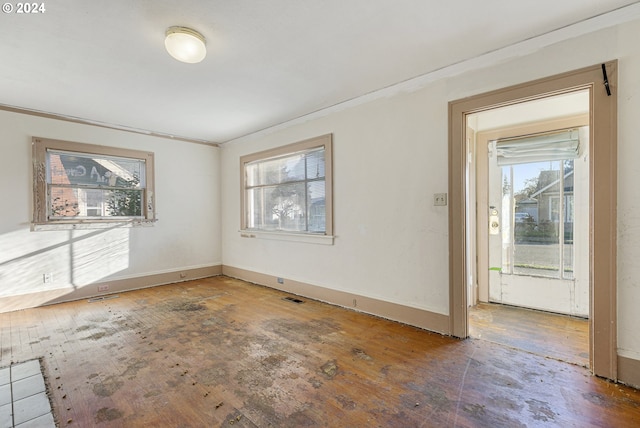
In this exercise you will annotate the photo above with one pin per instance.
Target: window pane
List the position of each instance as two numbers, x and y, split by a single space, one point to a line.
124 203
507 197
537 246
315 164
317 206
251 173
95 170
272 172
288 206
69 202
276 171
280 207
569 215
64 202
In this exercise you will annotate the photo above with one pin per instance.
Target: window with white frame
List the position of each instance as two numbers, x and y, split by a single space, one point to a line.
288 189
84 185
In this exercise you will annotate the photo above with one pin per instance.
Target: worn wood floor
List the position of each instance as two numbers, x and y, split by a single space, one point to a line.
221 352
550 335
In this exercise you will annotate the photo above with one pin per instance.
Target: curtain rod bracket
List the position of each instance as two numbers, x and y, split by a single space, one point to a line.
606 80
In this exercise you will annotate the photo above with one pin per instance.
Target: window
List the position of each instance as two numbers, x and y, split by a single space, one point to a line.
539 243
288 189
87 186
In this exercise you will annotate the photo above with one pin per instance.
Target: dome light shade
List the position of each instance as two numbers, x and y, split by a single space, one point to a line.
185 44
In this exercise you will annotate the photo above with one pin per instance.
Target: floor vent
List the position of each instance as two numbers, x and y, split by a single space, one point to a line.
293 299
101 298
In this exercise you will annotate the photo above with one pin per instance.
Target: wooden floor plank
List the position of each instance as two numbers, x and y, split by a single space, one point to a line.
222 352
544 333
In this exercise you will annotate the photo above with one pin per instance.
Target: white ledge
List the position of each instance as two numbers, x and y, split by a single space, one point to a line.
91 224
308 238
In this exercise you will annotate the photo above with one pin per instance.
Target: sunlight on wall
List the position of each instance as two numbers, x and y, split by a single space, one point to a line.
60 260
99 256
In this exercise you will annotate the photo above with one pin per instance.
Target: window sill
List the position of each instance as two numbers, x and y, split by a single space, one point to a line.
89 224
308 238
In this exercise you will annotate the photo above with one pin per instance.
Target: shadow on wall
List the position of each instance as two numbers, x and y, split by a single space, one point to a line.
37 267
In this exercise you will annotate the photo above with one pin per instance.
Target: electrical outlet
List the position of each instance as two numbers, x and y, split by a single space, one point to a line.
104 287
440 199
280 280
47 278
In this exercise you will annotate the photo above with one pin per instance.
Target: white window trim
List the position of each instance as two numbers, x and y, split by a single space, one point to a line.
40 221
325 238
288 236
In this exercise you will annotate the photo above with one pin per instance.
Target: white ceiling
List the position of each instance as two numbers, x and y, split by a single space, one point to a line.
268 62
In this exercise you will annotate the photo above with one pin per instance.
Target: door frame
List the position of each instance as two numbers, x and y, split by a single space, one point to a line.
602 200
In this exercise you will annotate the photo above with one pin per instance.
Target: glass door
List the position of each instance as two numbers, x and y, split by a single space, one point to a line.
532 246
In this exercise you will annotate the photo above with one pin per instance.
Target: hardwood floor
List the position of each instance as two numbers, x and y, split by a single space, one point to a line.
221 352
549 335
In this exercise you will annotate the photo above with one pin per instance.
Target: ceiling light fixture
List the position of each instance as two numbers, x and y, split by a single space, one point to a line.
185 44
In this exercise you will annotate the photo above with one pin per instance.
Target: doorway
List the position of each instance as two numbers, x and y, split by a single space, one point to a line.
530 285
602 201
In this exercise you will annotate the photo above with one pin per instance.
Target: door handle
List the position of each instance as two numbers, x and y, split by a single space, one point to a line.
494 222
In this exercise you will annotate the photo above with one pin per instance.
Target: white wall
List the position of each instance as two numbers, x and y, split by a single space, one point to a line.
387 230
390 156
186 235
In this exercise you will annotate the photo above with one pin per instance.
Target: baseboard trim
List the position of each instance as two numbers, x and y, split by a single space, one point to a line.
49 297
408 315
629 371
